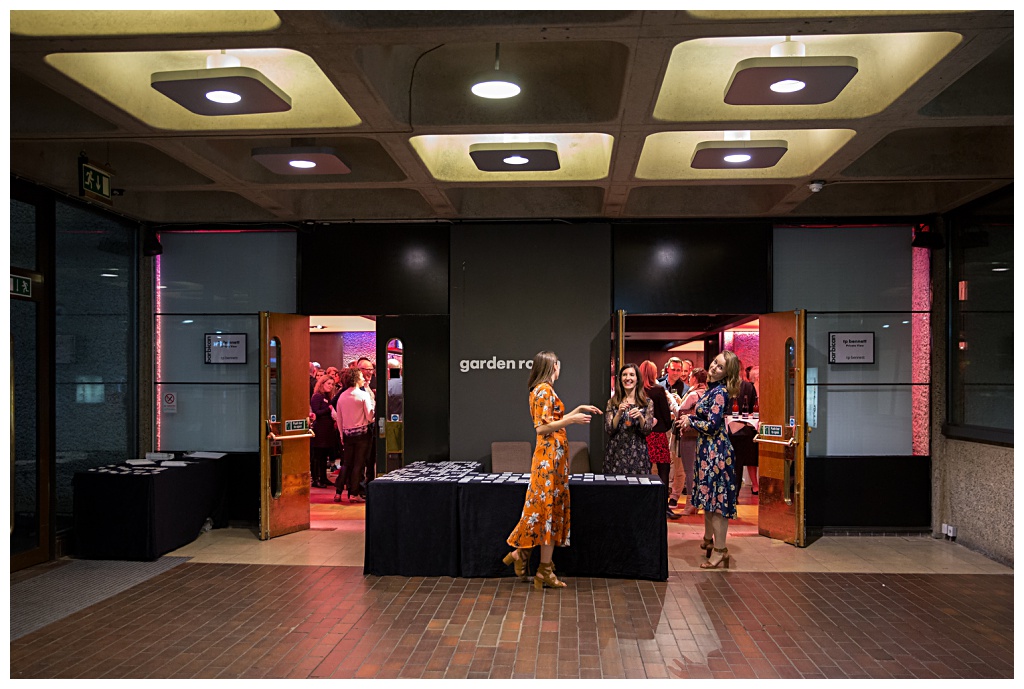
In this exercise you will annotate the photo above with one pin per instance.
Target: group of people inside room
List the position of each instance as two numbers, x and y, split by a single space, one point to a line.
675 425
342 407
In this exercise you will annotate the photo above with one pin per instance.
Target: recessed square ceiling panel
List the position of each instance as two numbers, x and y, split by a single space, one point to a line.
699 71
301 160
140 22
124 78
189 88
515 157
823 78
732 155
581 157
668 155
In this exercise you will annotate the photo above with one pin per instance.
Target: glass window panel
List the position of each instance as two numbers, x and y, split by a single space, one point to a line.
94 287
23 235
851 421
842 268
981 345
212 418
181 353
25 535
894 347
227 272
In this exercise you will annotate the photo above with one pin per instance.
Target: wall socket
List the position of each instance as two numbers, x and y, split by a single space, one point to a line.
945 529
951 530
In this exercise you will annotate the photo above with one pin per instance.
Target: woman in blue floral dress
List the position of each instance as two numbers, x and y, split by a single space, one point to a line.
714 475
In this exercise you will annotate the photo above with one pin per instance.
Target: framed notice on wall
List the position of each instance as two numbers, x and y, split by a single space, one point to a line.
225 348
851 348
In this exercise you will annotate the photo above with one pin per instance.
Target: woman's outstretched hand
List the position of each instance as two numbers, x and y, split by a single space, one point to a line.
580 414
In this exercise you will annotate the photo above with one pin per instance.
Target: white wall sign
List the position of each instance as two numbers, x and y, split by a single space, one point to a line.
169 403
225 348
851 348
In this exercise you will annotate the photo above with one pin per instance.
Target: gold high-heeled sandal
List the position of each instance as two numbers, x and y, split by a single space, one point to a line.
546 577
520 560
724 561
706 544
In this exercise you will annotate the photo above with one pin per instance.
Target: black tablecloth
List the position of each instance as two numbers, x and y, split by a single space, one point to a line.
412 520
140 513
618 527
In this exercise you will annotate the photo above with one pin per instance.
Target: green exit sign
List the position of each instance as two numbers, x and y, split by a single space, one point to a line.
297 425
21 286
93 183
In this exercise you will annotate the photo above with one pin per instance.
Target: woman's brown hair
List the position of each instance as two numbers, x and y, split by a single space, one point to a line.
620 392
543 369
349 376
318 389
732 373
649 374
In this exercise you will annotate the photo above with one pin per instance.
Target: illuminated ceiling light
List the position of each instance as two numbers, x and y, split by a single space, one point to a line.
318 326
787 86
729 155
223 88
161 286
527 156
301 160
789 77
188 321
496 84
107 275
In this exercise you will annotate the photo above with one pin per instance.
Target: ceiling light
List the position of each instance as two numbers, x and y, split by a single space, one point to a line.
188 321
530 156
107 275
724 155
301 160
789 77
496 84
223 88
787 86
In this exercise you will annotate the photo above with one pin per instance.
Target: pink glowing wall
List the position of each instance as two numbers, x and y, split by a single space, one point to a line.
921 349
745 345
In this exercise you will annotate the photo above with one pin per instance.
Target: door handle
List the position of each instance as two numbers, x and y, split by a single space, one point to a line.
308 434
763 439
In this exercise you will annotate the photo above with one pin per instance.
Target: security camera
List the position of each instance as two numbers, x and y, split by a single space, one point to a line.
817 185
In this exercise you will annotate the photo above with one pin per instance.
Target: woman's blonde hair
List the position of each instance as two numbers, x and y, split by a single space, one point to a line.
620 392
732 373
543 368
320 383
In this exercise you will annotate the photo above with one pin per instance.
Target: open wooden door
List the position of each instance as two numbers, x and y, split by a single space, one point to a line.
782 429
284 420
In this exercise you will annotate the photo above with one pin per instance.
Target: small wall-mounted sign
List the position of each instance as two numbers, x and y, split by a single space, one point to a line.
21 286
225 348
169 403
851 348
770 431
295 425
93 183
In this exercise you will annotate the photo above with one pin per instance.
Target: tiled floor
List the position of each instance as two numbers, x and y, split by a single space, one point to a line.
299 606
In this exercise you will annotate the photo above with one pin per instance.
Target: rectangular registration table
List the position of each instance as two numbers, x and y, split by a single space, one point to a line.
127 512
617 526
412 520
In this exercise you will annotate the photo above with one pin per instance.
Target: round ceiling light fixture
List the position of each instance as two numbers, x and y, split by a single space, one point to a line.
496 84
788 86
226 97
516 160
737 158
302 164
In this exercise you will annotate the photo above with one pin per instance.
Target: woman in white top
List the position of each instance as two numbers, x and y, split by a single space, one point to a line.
355 421
688 441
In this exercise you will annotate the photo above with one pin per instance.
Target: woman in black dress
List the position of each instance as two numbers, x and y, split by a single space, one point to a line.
629 417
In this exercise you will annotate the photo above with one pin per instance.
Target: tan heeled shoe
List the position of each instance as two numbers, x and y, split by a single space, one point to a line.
723 561
546 577
520 560
706 544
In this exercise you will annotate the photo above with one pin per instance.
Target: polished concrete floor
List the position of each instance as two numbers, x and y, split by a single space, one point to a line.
299 606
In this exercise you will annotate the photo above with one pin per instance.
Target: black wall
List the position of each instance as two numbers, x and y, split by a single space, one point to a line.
868 493
372 269
517 290
693 267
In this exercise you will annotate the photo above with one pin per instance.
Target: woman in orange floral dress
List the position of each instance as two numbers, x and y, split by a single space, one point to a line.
545 518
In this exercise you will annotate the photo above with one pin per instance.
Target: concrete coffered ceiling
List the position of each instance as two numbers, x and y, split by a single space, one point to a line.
925 125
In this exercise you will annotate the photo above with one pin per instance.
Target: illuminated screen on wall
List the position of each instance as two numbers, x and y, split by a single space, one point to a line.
225 348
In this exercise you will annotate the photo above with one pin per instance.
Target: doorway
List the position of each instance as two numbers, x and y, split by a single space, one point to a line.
698 339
